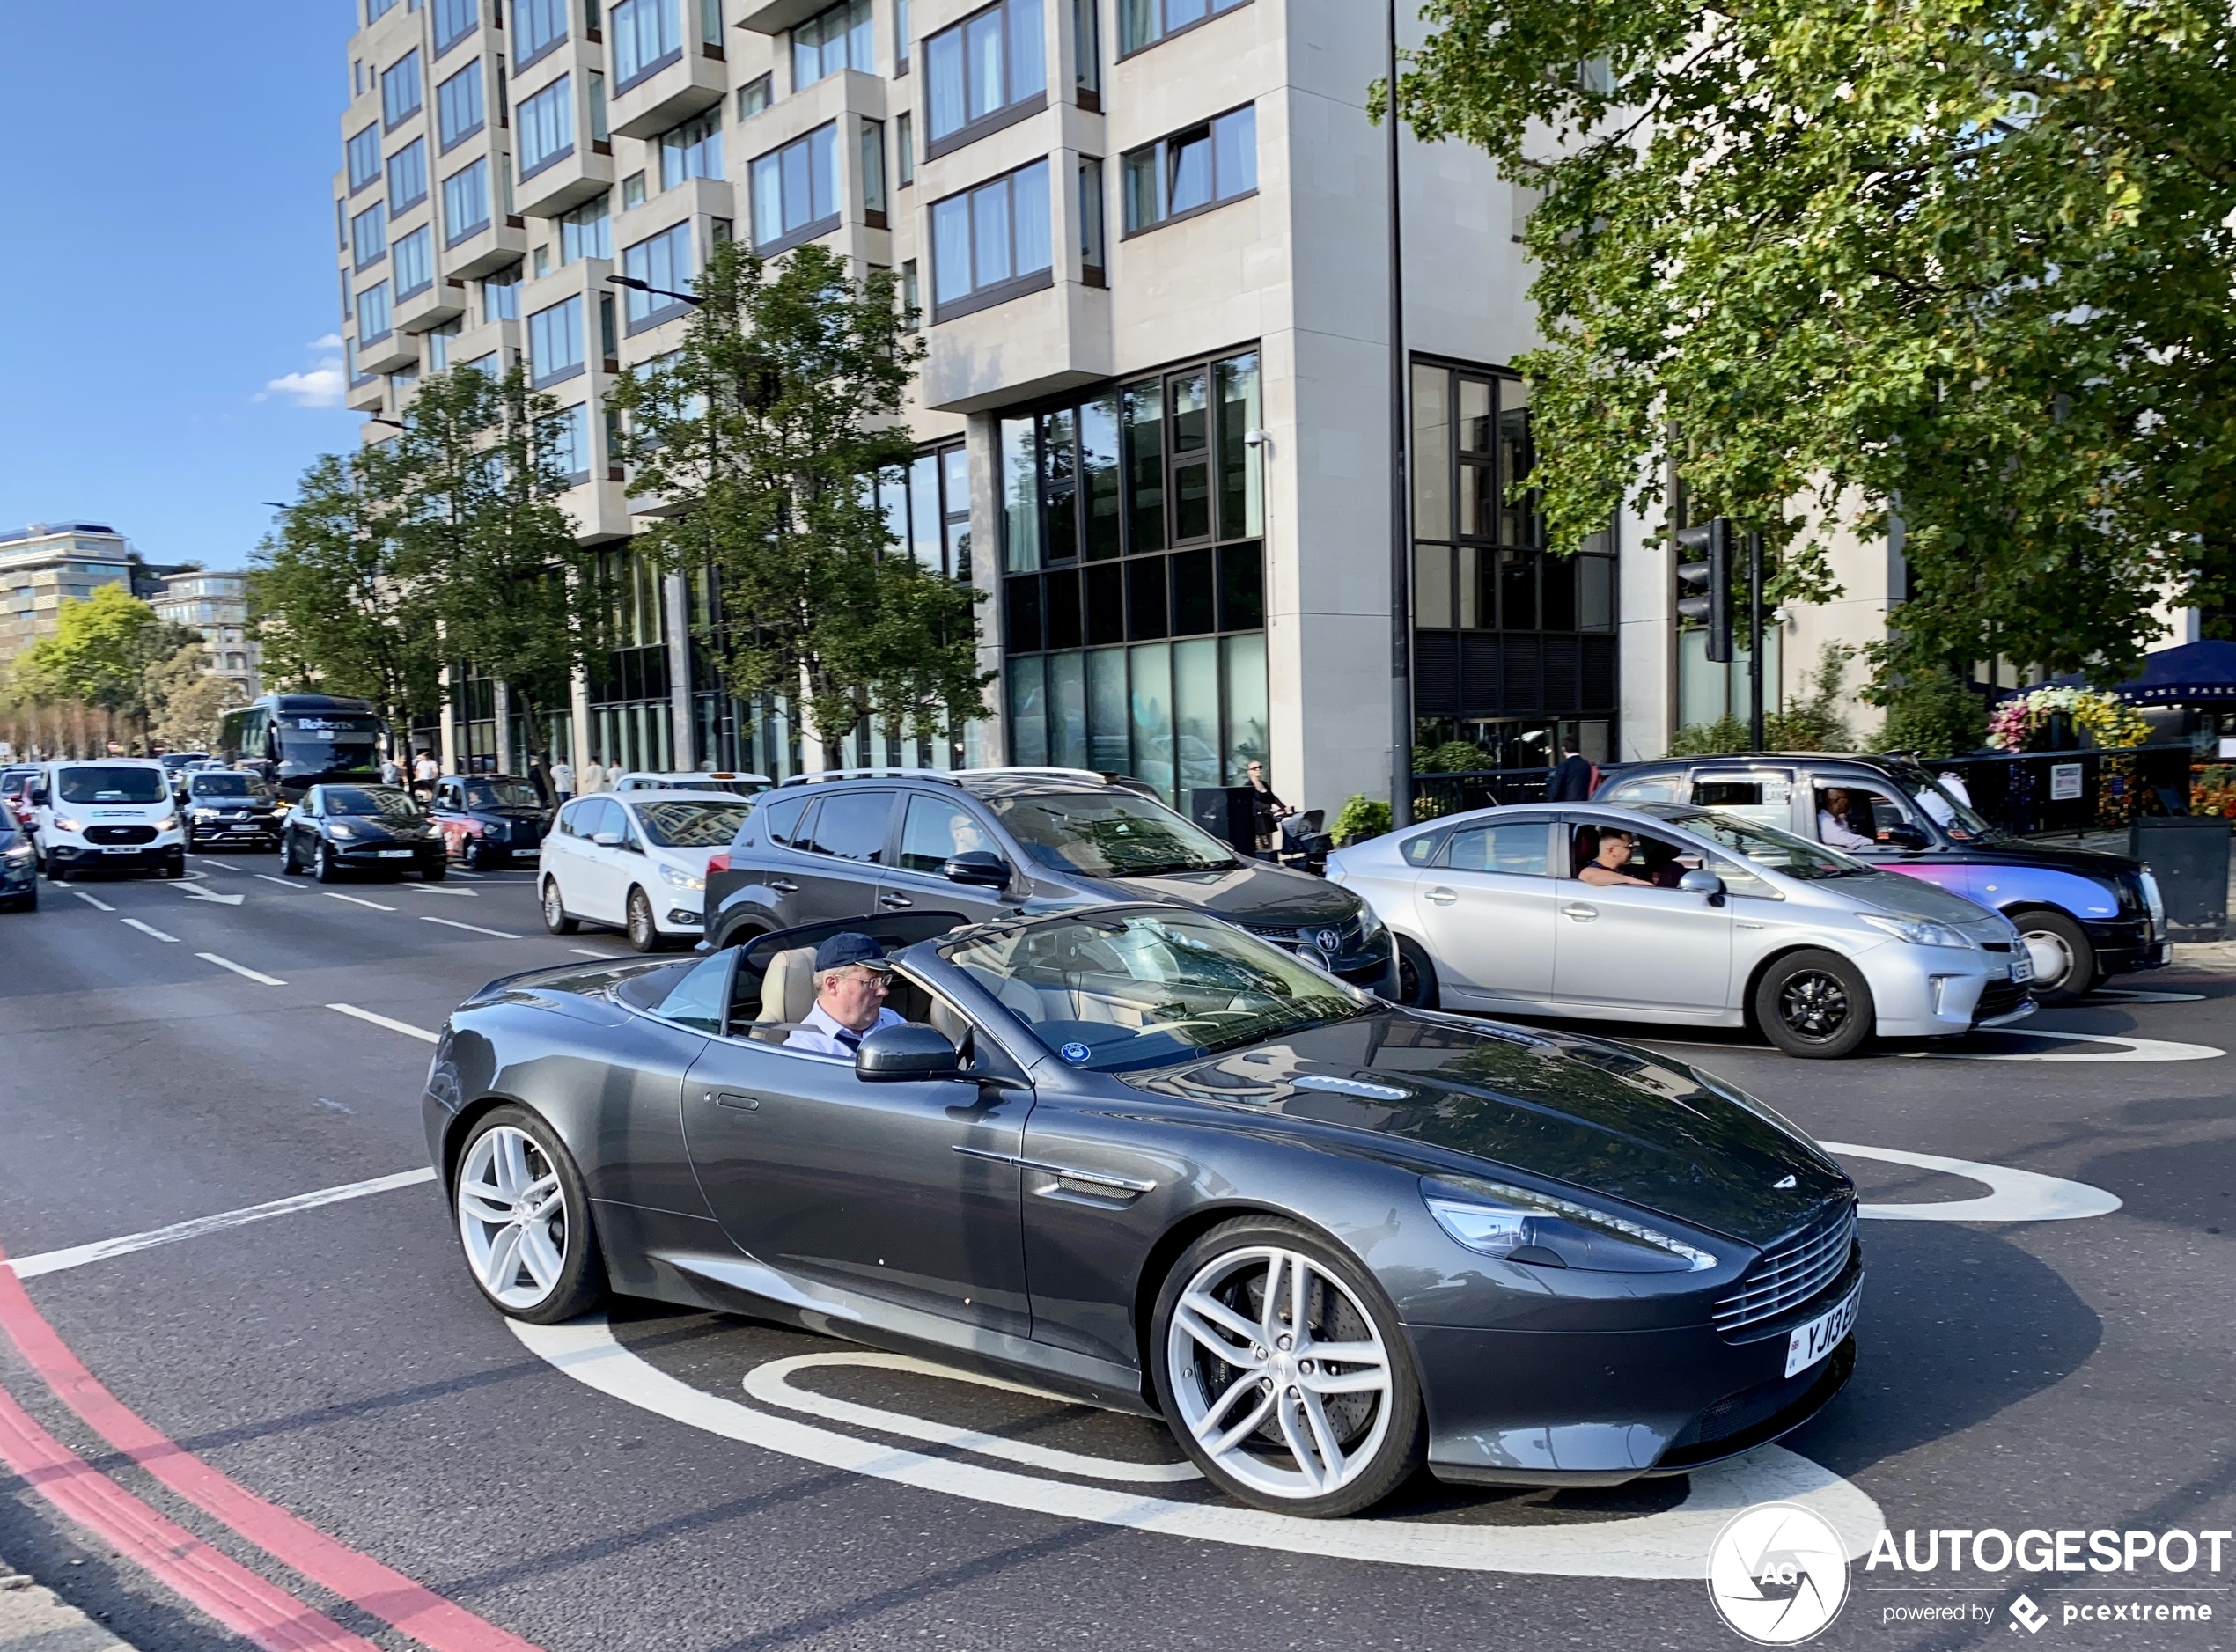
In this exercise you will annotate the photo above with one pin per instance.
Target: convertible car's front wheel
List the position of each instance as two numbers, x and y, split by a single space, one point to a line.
524 1220
1283 1372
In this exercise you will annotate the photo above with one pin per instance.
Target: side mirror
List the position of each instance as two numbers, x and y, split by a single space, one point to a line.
38 797
607 840
1701 881
906 1055
980 868
1903 837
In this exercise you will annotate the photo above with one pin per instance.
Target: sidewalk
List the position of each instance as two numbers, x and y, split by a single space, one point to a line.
34 1620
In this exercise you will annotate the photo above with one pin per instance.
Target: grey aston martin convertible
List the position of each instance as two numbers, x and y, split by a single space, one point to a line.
1137 1156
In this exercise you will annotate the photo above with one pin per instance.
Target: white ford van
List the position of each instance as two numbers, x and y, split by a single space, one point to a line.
115 812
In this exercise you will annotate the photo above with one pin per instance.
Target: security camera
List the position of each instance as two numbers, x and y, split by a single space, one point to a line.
1256 438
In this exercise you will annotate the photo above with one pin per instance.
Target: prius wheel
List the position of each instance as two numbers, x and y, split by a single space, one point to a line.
2064 962
643 934
1814 1004
1417 977
523 1218
555 910
1283 1373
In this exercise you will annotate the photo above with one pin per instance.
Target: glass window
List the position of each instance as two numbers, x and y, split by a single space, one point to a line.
1091 257
454 20
662 261
546 126
415 263
376 10
832 39
936 830
647 35
466 202
682 825
899 37
458 106
587 232
537 26
992 236
408 176
983 65
693 150
570 442
873 167
399 89
501 296
1191 171
1521 848
373 312
1146 22
795 190
851 826
368 237
904 149
556 341
364 158
754 96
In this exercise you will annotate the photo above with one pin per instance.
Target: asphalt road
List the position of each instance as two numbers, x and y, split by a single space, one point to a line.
337 1362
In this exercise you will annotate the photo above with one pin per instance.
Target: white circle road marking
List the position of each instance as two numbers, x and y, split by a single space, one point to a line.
2140 996
1673 1544
2141 1049
2016 1195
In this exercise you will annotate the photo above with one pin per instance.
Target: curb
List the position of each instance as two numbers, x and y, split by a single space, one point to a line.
36 1620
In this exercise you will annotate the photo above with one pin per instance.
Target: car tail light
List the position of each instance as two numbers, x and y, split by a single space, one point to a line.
718 863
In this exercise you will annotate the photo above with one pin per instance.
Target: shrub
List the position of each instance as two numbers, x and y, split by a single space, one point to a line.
1362 818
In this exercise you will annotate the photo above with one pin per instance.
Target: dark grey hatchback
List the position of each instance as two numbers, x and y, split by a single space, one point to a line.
990 842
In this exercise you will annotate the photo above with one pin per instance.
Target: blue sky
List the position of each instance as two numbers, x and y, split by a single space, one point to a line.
169 276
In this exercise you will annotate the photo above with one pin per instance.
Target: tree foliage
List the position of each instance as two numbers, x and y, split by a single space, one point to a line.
760 438
185 701
1967 261
100 653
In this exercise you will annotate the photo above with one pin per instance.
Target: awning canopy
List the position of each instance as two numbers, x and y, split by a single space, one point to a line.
2195 674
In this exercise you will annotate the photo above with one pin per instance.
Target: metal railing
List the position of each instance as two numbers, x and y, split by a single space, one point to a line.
1434 796
2029 793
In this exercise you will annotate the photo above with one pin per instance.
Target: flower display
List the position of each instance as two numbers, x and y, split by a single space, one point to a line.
2017 724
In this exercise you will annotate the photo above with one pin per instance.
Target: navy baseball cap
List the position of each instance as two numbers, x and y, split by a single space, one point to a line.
849 947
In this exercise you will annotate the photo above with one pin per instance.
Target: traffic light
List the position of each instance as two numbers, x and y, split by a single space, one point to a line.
1704 583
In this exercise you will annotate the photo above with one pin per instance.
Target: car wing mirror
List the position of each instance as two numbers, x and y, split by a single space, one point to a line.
979 867
906 1055
607 840
38 797
1701 881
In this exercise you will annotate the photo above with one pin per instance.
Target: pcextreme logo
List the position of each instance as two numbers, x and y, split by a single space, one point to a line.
1777 1574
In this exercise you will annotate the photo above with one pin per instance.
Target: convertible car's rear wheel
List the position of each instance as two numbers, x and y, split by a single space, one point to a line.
1282 1370
524 1220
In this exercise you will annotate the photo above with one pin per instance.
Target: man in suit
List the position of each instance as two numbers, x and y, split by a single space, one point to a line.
1572 779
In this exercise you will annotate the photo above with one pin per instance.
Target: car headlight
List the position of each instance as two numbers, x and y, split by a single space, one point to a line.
343 829
205 814
1917 931
169 823
1516 1225
66 823
21 852
2153 900
676 879
1371 927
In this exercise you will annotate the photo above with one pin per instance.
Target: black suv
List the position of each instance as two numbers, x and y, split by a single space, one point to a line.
226 805
986 842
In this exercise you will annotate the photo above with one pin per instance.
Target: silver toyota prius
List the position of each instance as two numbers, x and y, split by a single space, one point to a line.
1685 916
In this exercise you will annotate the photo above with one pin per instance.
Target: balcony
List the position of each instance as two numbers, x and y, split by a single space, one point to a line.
696 79
368 395
1051 340
583 173
487 250
392 352
431 306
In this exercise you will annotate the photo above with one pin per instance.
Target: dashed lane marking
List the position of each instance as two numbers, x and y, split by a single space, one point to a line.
284 883
241 969
356 901
610 958
148 929
453 895
93 901
404 1027
502 934
2014 1196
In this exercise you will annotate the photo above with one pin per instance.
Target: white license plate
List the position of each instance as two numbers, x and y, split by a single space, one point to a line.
2022 965
395 854
126 848
1810 1343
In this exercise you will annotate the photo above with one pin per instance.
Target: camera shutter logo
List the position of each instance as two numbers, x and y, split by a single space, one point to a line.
1777 1574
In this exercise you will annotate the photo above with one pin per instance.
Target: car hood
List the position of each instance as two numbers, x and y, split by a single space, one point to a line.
1912 897
2086 863
1249 893
1599 1117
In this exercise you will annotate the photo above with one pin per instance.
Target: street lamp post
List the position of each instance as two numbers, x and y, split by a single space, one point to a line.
1400 535
634 285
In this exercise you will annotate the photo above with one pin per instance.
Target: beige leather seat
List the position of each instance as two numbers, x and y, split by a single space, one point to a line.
950 1021
787 994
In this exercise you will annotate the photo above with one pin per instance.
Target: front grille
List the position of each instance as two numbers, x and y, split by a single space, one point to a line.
2000 998
1995 946
1349 932
120 834
1789 1274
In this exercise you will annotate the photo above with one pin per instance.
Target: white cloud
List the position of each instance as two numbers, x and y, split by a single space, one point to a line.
321 387
331 341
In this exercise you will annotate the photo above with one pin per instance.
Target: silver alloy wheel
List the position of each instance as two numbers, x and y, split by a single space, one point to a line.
555 910
1279 1373
2052 959
513 1217
1814 1004
643 934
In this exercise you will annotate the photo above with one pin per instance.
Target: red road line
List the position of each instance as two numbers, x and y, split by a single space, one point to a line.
388 1595
247 1604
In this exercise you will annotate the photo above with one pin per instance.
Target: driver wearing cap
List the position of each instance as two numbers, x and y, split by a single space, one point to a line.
852 980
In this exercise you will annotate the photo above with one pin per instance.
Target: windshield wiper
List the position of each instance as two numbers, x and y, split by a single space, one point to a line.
1174 866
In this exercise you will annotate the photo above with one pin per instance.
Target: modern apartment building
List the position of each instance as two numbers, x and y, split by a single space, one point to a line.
46 564
1148 238
217 605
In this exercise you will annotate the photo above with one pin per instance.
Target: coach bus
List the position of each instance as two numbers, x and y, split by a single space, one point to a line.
296 741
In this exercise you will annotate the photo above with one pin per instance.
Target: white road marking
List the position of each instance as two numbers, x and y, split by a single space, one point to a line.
771 1384
459 871
2015 1195
284 883
241 969
1673 1544
2135 1048
2137 995
194 892
454 894
383 1021
610 958
502 934
148 929
92 901
79 1255
354 901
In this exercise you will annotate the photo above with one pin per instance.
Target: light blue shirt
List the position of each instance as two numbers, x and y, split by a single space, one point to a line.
823 1035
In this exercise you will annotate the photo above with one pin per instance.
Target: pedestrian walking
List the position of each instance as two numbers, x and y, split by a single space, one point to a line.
593 777
392 772
424 773
1573 778
1270 811
539 779
562 782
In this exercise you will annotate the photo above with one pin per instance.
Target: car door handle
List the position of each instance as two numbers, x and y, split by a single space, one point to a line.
733 1098
1581 912
1442 896
1745 923
783 886
895 901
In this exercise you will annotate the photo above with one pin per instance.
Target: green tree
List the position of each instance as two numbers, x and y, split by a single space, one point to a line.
1934 714
335 602
1964 261
100 653
762 437
185 701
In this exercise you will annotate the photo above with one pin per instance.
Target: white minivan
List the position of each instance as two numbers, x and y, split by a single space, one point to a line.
114 812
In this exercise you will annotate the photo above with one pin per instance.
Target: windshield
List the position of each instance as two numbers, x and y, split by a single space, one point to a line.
227 785
1953 816
692 826
328 740
1766 847
502 794
1115 991
1108 835
386 803
113 785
